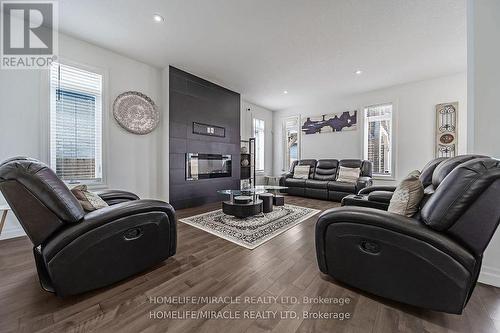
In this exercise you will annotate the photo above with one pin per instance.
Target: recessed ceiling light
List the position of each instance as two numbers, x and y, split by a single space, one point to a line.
285 92
158 18
358 72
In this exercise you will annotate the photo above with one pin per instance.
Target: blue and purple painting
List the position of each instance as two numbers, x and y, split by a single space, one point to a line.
335 122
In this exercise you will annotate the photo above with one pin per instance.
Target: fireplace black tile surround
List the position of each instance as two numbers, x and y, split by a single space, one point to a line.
193 99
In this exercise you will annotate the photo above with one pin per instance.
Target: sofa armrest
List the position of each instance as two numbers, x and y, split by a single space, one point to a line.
113 197
393 224
285 176
369 189
118 213
363 182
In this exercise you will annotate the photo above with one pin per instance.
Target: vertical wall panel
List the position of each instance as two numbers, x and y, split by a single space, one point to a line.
193 99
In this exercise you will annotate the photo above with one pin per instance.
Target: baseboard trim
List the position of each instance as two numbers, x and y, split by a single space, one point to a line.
490 275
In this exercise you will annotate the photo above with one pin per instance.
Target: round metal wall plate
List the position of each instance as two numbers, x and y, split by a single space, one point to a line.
136 112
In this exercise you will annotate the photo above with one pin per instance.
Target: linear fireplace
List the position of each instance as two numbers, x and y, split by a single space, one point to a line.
206 166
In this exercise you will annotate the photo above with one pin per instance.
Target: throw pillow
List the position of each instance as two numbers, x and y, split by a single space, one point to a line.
348 175
89 200
407 196
301 171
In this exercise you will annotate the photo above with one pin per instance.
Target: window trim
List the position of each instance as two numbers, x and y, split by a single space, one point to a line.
259 171
47 135
392 176
286 165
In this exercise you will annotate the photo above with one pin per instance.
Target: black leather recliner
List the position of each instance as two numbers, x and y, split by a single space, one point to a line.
432 260
379 196
77 251
322 182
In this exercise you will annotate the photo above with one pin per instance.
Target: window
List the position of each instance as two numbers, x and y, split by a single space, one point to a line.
76 124
258 131
378 144
291 141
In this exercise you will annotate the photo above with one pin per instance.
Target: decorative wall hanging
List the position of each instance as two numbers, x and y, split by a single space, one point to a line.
446 129
136 112
334 122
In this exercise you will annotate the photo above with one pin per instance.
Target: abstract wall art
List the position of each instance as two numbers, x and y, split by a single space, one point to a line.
446 129
334 122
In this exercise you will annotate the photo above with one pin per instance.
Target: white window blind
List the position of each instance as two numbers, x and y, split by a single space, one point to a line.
258 127
378 144
76 124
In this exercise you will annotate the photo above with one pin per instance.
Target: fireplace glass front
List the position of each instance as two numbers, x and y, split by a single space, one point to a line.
206 166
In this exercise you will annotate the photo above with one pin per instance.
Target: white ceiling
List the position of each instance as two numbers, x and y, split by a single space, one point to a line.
262 47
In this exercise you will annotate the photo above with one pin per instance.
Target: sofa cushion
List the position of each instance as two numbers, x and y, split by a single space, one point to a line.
364 165
445 167
316 193
406 199
292 182
428 170
341 187
350 163
337 196
298 191
326 170
348 175
311 163
458 191
90 201
313 183
43 184
301 172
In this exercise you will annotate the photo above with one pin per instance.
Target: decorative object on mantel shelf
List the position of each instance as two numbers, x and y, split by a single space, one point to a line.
334 122
210 130
446 129
136 112
246 163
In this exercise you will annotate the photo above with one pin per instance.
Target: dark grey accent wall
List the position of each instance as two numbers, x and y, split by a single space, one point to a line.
193 99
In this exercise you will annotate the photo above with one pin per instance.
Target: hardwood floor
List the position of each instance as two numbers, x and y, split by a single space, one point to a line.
206 265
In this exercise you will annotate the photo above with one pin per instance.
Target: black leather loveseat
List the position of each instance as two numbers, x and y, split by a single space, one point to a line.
77 251
322 182
431 260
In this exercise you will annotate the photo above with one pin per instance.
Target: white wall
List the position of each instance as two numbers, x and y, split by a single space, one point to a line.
248 112
484 88
164 153
414 106
132 162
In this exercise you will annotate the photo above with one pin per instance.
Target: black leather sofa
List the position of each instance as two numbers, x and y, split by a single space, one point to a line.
322 182
431 260
77 251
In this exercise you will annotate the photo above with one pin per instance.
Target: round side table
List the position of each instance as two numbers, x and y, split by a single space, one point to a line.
267 201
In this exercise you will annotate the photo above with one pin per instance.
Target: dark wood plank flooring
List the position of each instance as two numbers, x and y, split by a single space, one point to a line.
206 265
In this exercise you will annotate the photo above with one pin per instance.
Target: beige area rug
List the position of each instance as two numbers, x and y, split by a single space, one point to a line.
252 231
